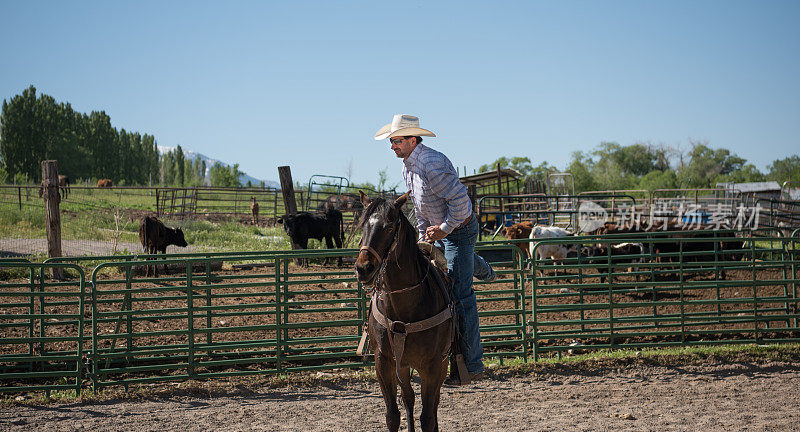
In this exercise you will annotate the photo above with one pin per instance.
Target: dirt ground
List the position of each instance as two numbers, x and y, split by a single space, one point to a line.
743 395
740 395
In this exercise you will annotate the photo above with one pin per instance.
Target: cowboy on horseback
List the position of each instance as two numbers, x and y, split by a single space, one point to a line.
443 213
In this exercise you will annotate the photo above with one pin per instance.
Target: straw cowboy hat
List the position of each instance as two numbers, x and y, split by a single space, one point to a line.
402 125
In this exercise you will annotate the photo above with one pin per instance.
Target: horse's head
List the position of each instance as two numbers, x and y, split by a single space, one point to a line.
381 224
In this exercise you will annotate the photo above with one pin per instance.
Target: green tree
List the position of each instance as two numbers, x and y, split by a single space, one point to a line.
636 159
581 167
658 179
609 175
519 163
747 173
180 167
225 176
169 170
22 143
123 157
542 171
152 157
707 165
786 169
101 144
197 169
37 127
202 172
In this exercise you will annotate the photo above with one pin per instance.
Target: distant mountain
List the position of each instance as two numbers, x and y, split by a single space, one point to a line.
244 178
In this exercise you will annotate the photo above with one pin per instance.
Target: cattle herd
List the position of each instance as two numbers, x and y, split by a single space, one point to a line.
703 247
328 224
325 225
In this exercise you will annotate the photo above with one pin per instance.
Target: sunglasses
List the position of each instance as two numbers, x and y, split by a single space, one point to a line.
396 141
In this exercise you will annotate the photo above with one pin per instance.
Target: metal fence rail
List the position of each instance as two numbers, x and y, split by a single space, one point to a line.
231 314
199 324
42 327
692 289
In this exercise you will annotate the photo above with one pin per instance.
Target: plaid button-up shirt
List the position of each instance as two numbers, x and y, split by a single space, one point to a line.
439 197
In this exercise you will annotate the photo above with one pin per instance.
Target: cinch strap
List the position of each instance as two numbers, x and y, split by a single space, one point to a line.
398 330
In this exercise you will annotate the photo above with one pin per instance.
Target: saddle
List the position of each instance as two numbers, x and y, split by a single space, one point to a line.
437 258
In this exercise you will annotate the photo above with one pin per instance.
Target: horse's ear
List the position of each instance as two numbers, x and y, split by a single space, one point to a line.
401 200
364 198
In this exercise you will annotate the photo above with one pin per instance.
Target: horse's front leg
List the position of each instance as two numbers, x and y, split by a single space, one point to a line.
408 394
384 370
431 388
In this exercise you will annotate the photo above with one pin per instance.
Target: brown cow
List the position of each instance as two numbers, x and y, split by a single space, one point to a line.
63 186
254 210
107 183
520 230
155 237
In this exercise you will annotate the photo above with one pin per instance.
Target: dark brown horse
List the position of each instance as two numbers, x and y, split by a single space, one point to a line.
410 323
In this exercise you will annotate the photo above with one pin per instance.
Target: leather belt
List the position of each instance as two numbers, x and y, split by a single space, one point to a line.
463 223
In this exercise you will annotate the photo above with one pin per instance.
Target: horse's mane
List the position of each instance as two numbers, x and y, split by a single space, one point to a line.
407 234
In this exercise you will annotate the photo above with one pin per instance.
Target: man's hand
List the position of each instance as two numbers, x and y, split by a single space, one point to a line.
434 233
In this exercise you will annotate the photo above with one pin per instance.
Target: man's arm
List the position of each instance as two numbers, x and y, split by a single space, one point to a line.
422 226
422 223
444 182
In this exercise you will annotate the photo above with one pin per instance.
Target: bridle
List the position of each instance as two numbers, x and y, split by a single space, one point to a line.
370 249
383 259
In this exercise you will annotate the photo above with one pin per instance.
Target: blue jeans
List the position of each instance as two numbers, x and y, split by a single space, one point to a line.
459 249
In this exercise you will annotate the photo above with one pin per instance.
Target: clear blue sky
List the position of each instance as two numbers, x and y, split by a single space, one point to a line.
307 84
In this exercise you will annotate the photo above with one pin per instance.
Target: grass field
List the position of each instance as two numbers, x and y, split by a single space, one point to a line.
110 215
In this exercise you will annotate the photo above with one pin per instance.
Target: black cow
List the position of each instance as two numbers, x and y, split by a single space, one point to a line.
706 251
621 255
155 237
319 225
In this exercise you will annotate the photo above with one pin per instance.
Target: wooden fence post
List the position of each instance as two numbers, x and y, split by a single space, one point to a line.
287 187
52 213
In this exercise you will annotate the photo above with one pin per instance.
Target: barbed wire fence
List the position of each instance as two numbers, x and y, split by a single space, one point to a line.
104 221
